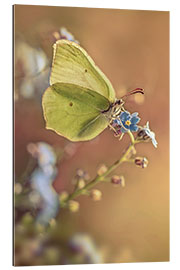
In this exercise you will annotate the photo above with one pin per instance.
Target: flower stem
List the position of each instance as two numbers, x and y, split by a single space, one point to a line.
100 178
131 137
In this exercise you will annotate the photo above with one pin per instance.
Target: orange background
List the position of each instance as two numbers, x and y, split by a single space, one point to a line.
132 49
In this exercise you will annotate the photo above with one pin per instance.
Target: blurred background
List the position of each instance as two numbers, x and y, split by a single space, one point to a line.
131 223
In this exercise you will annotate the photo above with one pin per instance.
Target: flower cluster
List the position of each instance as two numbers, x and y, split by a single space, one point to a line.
125 122
32 70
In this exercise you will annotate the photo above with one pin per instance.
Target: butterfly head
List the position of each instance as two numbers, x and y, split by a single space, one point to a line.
121 121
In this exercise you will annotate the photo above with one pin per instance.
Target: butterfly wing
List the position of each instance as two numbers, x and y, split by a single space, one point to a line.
72 64
74 112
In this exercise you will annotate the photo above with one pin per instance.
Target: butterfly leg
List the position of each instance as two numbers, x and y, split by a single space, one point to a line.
121 136
112 128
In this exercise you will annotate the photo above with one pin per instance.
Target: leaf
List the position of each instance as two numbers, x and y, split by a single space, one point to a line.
72 64
74 112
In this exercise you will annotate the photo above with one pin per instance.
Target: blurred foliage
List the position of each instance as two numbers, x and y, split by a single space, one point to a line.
40 239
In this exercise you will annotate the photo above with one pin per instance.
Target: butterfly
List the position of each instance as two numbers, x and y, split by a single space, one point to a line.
80 101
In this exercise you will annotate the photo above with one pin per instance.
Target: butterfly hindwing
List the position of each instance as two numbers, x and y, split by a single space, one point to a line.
74 112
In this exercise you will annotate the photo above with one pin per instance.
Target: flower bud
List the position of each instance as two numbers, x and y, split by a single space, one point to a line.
141 162
18 188
32 148
96 194
63 196
118 180
56 35
73 206
141 135
145 134
81 183
80 172
102 169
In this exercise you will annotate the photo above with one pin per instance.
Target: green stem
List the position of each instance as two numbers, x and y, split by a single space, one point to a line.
99 178
131 137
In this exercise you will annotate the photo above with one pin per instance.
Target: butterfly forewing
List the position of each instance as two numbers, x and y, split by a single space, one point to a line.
72 64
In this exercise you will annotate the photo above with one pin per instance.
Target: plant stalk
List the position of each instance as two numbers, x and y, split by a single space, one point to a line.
100 178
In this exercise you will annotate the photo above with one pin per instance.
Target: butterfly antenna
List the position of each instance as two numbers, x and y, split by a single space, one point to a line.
134 91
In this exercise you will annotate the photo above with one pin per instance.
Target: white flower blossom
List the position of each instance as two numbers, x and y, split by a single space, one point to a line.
150 134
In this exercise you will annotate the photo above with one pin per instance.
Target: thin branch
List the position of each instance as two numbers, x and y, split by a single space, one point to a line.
100 178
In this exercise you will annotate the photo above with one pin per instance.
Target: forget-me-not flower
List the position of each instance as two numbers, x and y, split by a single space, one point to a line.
127 122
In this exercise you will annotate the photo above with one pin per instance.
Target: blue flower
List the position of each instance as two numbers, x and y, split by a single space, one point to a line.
128 121
42 180
42 183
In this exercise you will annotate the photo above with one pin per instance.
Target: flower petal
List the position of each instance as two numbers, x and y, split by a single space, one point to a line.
134 114
116 122
150 134
133 128
125 116
135 120
126 126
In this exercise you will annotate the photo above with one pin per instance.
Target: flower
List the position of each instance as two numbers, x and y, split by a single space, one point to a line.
32 70
65 34
146 134
126 122
42 180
